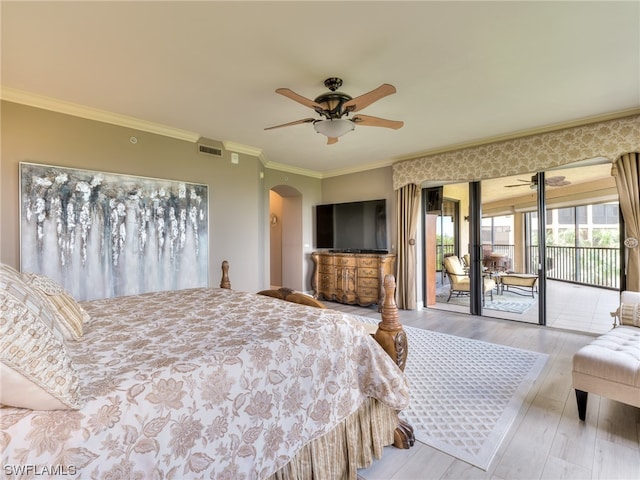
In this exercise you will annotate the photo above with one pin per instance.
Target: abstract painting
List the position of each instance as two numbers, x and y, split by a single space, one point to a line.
105 235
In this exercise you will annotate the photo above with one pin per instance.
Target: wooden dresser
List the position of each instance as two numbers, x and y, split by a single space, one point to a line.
352 278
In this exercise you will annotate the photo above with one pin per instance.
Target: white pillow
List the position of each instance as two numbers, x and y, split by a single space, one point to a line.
69 315
37 372
12 283
630 314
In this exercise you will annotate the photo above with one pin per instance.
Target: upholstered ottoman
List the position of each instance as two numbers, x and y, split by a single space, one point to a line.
610 365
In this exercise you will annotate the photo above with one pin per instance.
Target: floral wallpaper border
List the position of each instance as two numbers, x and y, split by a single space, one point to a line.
608 139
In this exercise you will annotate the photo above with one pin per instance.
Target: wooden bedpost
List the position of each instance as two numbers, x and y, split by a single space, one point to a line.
390 334
393 339
225 283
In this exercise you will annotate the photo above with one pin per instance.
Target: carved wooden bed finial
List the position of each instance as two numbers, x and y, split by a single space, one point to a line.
393 339
390 334
225 282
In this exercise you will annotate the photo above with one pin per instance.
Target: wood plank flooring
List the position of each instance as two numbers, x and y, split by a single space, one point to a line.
547 440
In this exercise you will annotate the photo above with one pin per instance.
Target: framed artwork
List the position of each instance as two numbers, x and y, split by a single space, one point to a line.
105 235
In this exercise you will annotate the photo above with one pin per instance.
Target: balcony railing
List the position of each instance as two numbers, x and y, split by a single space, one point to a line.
594 266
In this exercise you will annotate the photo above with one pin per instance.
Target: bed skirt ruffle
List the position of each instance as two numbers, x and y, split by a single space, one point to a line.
353 444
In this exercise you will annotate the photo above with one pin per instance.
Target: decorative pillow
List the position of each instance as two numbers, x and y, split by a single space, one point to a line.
37 372
630 314
12 283
69 314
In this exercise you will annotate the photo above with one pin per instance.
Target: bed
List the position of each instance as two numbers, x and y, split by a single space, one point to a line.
205 383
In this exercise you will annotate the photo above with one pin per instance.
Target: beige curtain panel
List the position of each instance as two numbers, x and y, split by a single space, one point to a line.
407 214
626 171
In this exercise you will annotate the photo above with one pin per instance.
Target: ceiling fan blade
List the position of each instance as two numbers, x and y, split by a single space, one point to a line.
297 122
557 180
358 103
561 183
298 98
369 121
331 140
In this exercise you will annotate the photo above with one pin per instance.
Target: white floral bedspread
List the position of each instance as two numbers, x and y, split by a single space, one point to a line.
205 383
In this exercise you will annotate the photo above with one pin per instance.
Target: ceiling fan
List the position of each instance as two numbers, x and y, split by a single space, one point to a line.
334 107
557 181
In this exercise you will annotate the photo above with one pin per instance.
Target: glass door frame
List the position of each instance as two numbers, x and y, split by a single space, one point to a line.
475 248
542 250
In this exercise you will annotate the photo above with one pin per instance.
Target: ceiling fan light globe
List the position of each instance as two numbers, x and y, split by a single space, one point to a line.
334 128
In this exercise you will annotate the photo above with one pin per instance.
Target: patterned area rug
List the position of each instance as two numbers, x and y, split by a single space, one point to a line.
507 302
465 394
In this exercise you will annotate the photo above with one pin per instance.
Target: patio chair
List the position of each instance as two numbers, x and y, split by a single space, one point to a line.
466 261
459 281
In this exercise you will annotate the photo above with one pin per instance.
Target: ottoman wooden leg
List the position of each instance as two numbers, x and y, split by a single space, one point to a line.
581 398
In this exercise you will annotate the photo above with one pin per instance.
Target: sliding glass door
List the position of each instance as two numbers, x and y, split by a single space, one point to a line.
442 233
548 241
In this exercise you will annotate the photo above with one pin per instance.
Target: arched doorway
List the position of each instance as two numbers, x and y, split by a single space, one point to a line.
285 237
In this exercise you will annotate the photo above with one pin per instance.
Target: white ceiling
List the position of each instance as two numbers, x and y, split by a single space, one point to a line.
464 71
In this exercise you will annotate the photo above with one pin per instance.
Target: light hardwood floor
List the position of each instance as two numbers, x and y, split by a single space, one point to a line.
547 440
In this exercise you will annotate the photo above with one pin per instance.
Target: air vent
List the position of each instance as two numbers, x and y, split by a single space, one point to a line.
207 150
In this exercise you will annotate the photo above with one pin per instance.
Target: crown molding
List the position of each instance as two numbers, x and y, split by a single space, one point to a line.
291 169
244 149
46 103
322 175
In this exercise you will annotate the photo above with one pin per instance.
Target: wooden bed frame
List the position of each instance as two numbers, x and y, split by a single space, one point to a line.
389 333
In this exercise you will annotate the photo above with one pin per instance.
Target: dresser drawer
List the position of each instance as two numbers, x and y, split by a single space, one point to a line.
368 282
325 260
368 295
326 282
326 268
368 272
345 261
367 261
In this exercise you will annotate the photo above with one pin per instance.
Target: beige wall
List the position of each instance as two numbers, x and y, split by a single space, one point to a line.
237 206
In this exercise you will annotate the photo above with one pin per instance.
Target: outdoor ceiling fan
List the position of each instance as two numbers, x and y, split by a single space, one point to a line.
557 181
334 107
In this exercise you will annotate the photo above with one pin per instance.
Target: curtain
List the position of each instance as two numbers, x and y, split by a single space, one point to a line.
626 171
407 214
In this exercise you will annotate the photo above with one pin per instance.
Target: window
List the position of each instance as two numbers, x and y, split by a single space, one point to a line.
605 214
497 233
581 215
566 216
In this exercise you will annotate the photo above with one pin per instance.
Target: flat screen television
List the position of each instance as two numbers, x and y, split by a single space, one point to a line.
353 226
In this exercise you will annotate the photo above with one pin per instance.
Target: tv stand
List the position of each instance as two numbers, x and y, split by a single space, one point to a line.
351 278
